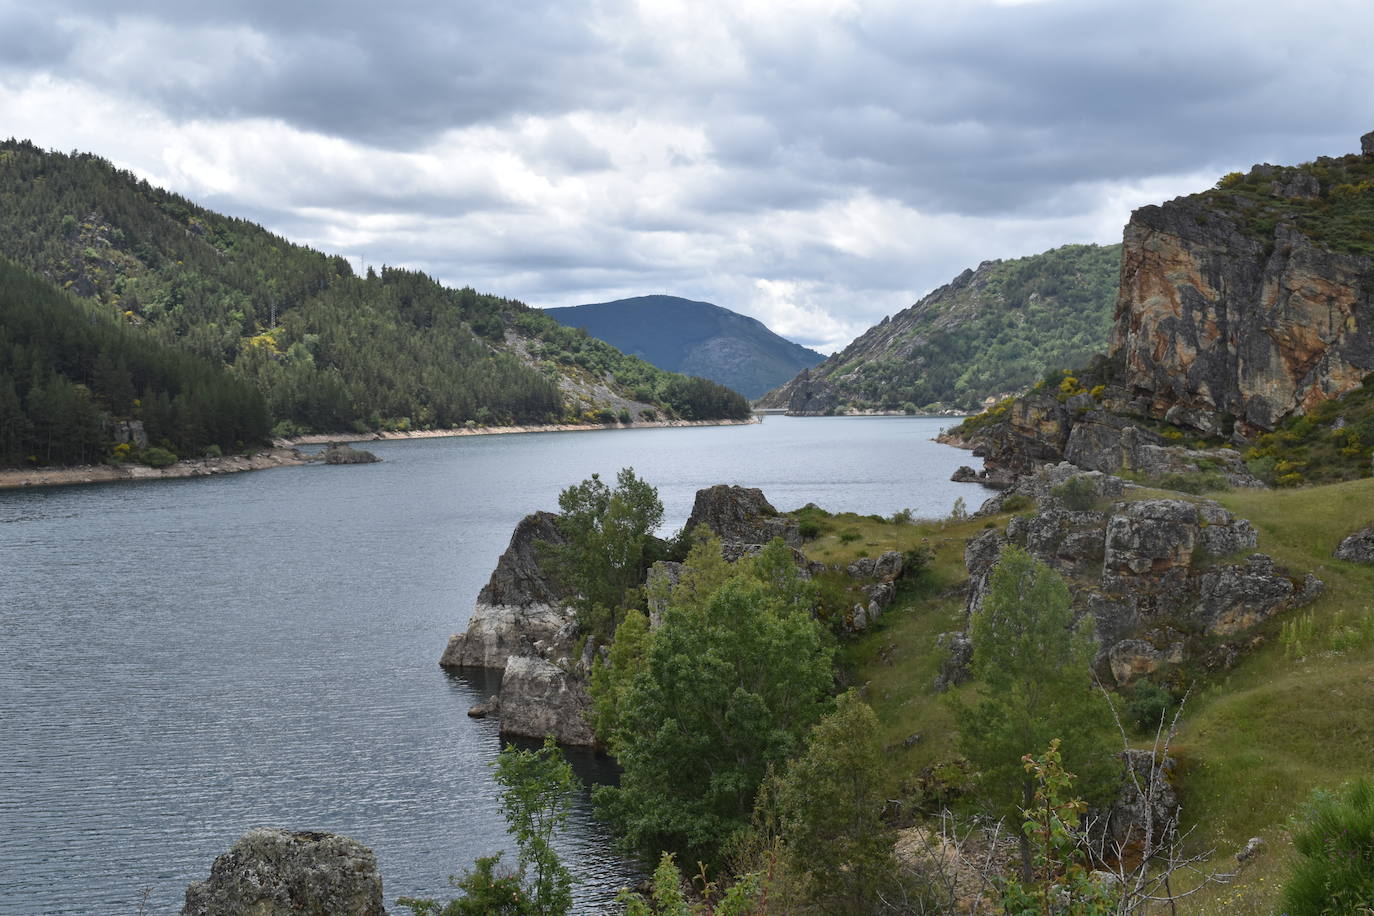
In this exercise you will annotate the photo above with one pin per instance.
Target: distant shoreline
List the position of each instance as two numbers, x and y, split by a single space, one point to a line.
324 438
16 478
284 454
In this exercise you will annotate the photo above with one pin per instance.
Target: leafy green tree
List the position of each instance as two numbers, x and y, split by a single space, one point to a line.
667 899
536 799
730 685
829 810
607 544
1062 883
1032 663
1334 838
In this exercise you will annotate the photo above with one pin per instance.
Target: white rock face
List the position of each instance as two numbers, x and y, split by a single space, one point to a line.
498 631
539 699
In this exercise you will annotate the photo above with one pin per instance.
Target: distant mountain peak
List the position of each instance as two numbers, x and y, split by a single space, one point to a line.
694 338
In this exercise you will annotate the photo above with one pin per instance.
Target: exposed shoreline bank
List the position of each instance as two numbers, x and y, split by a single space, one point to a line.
277 457
324 438
285 454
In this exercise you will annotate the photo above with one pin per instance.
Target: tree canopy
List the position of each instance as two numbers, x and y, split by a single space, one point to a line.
1032 662
729 685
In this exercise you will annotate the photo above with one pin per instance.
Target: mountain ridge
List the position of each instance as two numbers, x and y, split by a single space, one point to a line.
695 338
988 332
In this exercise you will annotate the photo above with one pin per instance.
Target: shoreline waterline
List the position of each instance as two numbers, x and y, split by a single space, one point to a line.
284 454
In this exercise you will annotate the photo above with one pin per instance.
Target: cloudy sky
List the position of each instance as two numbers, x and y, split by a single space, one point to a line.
817 164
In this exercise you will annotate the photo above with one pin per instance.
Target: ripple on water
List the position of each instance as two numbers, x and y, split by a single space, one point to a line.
183 660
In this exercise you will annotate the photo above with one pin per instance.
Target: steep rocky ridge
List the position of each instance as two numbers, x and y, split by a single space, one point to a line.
1218 316
990 331
694 338
1239 308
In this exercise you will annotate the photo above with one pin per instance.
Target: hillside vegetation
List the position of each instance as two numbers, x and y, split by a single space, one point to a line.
695 338
1295 714
991 331
66 367
329 350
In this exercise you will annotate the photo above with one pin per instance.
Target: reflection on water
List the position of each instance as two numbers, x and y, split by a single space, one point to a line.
183 660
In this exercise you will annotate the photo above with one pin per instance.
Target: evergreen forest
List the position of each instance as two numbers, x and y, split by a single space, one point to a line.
327 350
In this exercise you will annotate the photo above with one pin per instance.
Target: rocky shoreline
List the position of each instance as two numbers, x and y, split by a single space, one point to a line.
322 438
284 453
276 457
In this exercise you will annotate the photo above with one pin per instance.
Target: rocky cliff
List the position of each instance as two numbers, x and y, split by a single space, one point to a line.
1165 580
989 331
1238 308
1253 301
521 610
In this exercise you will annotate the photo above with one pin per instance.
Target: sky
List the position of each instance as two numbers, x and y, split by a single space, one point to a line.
817 164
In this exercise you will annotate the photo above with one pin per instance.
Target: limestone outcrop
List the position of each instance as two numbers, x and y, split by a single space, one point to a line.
1213 319
1238 308
540 699
343 453
1156 575
272 872
741 515
1358 547
521 610
1146 809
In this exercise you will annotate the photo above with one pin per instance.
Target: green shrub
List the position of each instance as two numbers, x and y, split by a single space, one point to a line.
1077 494
1334 839
624 415
156 457
848 537
1016 502
809 530
213 451
1147 705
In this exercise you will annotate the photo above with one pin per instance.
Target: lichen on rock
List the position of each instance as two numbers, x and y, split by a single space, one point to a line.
273 872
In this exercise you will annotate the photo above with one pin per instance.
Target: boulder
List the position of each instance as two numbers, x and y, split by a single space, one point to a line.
342 453
271 872
540 699
955 668
522 609
1358 548
491 706
1133 658
1146 807
741 515
1233 599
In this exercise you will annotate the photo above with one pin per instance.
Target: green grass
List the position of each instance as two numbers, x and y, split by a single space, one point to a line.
1254 741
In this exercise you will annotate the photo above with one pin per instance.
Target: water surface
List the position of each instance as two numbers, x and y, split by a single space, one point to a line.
183 660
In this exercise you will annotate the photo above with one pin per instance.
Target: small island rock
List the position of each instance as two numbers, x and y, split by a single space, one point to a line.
342 453
273 872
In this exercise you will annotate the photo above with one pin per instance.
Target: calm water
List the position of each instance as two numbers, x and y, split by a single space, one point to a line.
183 660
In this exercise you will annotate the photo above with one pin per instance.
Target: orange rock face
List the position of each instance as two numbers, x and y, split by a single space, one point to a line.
1211 319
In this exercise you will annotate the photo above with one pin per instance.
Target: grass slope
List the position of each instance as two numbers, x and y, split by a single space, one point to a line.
1297 713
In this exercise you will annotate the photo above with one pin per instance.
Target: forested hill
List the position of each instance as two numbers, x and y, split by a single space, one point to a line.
697 338
990 331
329 350
66 370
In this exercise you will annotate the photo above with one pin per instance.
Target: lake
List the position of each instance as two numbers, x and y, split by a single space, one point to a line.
182 660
